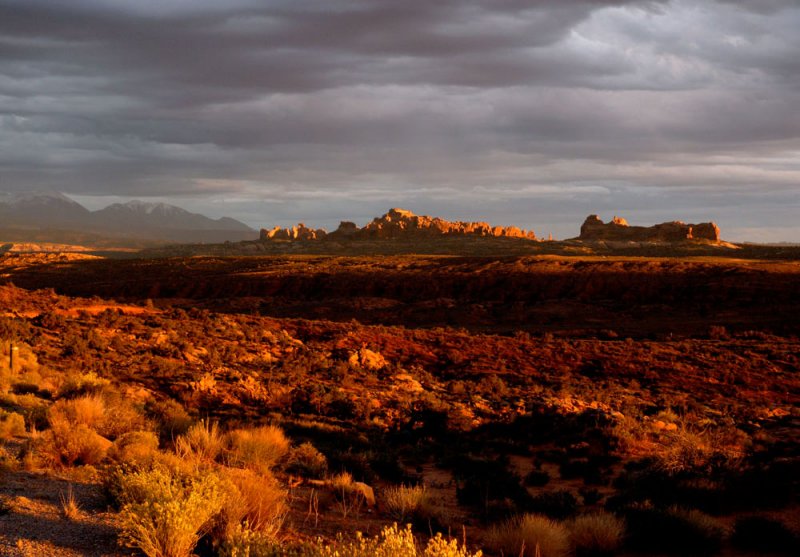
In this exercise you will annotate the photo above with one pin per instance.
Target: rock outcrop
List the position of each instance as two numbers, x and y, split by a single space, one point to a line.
299 232
619 230
398 224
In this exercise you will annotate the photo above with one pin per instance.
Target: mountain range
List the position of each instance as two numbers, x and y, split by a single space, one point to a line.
51 213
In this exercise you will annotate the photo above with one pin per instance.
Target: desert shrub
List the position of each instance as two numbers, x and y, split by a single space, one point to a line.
596 535
110 416
391 542
122 416
245 542
171 418
134 447
530 534
165 514
254 501
404 503
67 445
257 448
673 530
11 425
203 442
555 504
88 410
305 460
760 534
76 384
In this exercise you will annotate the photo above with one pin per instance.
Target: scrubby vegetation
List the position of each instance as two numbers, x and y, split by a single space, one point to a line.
218 430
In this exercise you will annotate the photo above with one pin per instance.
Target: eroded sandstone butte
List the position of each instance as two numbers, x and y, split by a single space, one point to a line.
399 224
618 229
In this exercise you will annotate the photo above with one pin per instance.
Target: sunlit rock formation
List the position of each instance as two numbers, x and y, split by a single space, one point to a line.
619 230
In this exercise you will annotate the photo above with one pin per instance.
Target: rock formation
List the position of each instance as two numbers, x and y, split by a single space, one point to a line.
619 230
299 232
398 224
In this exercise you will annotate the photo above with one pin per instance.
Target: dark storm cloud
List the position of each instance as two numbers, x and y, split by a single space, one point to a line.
303 103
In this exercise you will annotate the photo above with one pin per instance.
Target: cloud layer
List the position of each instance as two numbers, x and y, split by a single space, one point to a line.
529 113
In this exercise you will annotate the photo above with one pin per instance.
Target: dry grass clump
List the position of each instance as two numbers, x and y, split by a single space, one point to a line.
87 410
258 448
165 514
530 535
203 442
596 535
69 505
254 501
404 503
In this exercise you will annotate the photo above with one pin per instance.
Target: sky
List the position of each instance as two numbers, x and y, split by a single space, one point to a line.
528 113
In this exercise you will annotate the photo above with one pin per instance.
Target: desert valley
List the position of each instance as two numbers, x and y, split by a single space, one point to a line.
632 391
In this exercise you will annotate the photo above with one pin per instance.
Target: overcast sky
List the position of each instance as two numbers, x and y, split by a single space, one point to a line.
533 113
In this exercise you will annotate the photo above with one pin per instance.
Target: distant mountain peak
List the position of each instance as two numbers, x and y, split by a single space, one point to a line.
148 208
131 219
15 198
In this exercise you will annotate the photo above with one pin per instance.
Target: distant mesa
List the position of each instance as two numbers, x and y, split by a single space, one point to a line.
619 230
399 224
299 232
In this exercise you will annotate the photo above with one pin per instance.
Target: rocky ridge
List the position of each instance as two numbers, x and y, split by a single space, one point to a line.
399 224
618 229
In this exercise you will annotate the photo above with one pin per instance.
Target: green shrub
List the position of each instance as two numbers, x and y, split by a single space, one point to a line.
165 514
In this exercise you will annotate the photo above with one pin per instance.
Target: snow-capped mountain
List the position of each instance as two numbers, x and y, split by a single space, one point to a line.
161 215
52 208
134 219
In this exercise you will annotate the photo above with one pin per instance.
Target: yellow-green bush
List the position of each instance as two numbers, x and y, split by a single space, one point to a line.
392 542
165 514
258 448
